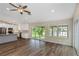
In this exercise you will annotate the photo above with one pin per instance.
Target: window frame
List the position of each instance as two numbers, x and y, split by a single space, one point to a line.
63 31
51 34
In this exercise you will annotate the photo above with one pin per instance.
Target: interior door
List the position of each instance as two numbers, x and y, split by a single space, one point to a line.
77 35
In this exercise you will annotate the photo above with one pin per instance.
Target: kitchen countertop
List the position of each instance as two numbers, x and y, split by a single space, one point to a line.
7 34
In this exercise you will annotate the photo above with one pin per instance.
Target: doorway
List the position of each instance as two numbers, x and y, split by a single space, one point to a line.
76 32
38 32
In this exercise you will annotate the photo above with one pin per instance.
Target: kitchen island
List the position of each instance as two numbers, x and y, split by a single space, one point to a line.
7 38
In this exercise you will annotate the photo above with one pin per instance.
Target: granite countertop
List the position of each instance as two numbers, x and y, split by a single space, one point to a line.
6 34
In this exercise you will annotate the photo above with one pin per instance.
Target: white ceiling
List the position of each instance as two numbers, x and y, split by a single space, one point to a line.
40 12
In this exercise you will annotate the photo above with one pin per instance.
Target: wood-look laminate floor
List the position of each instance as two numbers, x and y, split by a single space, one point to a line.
31 47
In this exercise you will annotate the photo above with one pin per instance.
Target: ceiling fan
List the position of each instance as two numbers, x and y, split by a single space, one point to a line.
21 9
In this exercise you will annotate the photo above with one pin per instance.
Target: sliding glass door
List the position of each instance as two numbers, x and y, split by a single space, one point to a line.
38 32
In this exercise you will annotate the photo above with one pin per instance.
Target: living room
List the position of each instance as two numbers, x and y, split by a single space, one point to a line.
40 29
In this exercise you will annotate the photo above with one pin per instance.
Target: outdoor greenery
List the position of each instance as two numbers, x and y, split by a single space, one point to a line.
38 32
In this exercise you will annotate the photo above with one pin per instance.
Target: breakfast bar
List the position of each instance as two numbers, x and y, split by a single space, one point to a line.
7 38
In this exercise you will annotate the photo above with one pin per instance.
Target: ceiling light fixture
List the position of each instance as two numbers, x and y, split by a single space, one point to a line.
52 10
21 9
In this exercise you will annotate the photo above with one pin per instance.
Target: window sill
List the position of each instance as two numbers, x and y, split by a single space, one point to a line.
59 37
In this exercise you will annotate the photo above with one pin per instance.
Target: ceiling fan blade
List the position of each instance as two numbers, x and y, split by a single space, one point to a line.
13 5
13 9
20 6
24 7
27 12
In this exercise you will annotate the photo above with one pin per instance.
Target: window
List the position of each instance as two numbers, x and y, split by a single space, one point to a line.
53 31
63 31
59 31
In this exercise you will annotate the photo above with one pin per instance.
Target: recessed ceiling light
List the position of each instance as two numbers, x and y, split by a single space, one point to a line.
52 10
7 8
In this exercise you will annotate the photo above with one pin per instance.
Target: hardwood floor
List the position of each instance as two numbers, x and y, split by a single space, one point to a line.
30 47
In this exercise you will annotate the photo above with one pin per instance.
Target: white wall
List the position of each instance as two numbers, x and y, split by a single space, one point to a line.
24 28
68 22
